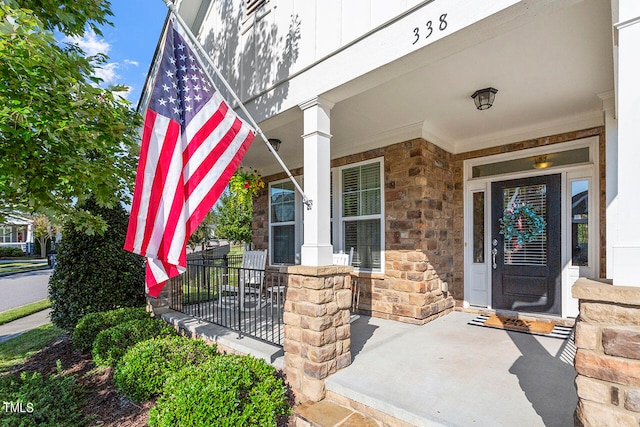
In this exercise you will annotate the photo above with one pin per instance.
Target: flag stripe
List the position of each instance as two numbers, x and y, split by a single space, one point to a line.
210 198
162 173
212 158
202 133
135 206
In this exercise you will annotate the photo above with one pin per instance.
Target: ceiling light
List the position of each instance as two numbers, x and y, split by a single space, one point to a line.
541 162
483 98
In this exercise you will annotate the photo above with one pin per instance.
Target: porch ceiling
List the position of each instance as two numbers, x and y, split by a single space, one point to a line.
548 69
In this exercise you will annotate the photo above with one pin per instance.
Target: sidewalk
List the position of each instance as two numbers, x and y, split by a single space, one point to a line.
24 324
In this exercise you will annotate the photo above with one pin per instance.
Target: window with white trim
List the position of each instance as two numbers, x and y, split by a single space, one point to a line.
357 201
282 223
361 214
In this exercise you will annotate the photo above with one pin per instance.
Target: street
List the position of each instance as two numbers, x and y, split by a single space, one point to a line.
23 288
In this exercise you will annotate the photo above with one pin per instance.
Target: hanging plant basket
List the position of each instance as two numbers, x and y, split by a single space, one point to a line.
522 224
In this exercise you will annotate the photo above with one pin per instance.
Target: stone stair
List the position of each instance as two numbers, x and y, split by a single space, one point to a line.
329 414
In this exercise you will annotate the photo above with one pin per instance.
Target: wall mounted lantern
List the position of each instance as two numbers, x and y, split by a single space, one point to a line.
275 143
483 98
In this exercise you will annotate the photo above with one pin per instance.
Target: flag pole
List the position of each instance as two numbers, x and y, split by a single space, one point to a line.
308 202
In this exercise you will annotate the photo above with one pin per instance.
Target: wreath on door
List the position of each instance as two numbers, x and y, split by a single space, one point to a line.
522 223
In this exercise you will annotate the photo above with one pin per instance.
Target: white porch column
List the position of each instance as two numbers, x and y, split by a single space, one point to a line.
611 137
626 249
317 249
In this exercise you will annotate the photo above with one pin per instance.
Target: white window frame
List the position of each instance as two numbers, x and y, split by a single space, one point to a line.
338 220
297 223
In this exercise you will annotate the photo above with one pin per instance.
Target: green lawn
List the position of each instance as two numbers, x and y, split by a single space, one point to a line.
23 310
18 349
19 266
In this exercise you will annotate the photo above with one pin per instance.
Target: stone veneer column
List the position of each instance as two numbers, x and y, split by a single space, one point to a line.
607 361
317 333
412 292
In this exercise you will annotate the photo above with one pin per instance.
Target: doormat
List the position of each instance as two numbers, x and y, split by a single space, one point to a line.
519 325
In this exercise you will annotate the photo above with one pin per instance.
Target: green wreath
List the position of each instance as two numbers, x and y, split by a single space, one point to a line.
522 223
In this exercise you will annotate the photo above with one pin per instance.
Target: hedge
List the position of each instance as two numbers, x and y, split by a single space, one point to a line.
143 370
111 344
90 325
227 390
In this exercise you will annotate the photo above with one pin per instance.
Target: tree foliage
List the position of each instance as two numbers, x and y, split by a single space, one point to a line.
202 234
63 139
93 273
233 213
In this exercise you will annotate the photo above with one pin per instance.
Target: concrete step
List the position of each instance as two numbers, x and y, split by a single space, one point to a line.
329 414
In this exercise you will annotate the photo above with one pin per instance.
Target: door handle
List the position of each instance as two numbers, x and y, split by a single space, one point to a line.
494 252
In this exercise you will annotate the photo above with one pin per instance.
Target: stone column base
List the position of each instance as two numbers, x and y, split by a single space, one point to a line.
608 354
317 333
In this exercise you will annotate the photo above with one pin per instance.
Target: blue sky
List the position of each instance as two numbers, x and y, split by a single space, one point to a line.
129 43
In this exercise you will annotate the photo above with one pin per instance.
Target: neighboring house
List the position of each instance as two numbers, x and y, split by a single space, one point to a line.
17 232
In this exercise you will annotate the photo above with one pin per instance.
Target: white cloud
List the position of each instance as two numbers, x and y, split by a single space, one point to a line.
90 43
131 62
107 73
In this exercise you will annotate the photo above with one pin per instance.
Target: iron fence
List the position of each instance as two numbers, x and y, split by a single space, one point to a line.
220 291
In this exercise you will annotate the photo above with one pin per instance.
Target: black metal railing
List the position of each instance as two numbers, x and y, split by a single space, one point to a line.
220 291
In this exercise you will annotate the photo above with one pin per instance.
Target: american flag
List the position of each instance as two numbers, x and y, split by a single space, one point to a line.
192 143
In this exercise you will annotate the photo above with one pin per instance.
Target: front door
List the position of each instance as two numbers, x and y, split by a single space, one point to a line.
526 265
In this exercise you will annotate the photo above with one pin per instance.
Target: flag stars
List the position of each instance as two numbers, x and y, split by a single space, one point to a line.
183 68
180 47
197 98
165 87
162 102
170 74
182 58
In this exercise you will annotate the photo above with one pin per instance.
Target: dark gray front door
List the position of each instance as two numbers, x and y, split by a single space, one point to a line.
526 276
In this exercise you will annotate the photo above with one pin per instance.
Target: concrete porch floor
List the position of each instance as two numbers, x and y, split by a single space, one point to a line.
453 374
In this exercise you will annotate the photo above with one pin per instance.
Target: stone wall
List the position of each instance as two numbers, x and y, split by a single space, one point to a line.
317 332
608 354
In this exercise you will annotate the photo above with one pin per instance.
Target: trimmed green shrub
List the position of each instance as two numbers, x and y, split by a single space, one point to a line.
11 252
143 370
40 401
227 390
93 273
111 344
92 324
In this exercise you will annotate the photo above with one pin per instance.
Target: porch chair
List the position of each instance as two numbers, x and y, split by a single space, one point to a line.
250 277
347 259
343 259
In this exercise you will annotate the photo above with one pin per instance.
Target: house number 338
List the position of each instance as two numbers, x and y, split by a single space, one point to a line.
441 25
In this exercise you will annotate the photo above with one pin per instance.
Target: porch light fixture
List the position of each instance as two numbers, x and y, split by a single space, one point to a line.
275 143
541 162
483 98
